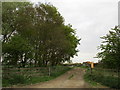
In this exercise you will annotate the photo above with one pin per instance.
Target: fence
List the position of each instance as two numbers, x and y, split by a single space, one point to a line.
14 76
105 72
8 72
36 71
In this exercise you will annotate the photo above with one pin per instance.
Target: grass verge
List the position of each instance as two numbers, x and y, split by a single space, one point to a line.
98 79
20 80
91 82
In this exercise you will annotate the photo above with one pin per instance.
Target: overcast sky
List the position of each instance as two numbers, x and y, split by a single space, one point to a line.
91 19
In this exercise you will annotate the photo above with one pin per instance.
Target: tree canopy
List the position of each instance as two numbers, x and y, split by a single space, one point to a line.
35 35
110 49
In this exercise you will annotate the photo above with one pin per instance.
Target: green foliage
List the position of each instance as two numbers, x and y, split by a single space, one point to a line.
37 34
10 12
14 50
110 49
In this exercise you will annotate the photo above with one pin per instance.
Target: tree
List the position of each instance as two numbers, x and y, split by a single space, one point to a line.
17 52
42 27
110 48
9 16
13 51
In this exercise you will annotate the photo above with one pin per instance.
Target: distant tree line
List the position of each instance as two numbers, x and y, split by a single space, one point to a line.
35 35
110 49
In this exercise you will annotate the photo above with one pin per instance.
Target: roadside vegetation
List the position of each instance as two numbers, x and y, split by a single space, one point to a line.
26 76
104 77
107 72
34 36
110 50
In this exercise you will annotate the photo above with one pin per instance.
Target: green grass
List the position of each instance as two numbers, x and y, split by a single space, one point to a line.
84 66
87 78
103 79
17 79
32 80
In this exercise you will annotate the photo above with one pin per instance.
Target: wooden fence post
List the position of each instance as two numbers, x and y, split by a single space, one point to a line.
91 70
49 71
